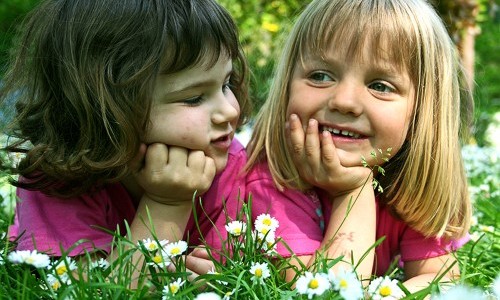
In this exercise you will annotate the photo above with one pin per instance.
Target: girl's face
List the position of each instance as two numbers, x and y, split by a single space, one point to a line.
196 109
365 103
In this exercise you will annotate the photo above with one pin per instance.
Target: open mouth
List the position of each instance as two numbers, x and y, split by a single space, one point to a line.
339 132
221 139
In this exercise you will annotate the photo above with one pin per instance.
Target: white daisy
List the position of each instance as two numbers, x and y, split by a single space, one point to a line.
236 228
260 271
208 296
152 245
172 288
160 259
385 288
460 292
265 223
38 260
176 249
53 282
217 273
312 284
227 295
64 266
100 264
347 283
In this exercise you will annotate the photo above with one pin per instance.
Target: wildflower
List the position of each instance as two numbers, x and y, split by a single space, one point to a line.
236 228
496 286
346 283
176 249
208 296
260 271
213 272
265 223
38 260
53 282
460 292
101 264
1 258
385 288
152 245
227 295
271 27
61 267
266 242
160 259
312 284
489 229
172 288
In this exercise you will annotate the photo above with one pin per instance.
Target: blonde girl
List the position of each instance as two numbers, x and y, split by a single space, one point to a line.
355 77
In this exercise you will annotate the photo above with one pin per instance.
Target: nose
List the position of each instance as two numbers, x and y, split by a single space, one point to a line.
346 98
227 108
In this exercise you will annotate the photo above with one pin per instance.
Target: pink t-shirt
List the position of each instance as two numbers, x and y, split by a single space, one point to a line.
303 218
49 223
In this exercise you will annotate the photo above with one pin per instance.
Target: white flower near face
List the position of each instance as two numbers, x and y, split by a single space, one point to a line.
38 260
227 295
160 259
260 271
312 284
266 242
172 288
217 273
495 287
236 228
265 223
460 292
346 283
64 266
176 249
53 282
100 264
152 245
385 288
208 296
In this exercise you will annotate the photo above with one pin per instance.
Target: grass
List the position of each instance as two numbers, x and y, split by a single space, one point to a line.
249 268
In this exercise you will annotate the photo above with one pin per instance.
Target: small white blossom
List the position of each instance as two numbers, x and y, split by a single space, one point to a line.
267 242
172 288
152 245
100 264
385 288
489 229
176 249
217 273
260 271
346 283
236 228
64 266
38 260
312 284
227 295
208 296
460 292
53 282
265 223
160 259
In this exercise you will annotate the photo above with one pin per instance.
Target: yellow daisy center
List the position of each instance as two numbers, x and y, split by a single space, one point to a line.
313 284
343 283
385 291
267 222
258 273
174 288
56 285
61 270
175 251
157 259
152 246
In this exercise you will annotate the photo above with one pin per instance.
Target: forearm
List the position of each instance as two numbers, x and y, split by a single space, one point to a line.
351 230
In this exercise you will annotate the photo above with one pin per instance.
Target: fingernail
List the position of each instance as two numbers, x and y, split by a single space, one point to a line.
312 122
293 117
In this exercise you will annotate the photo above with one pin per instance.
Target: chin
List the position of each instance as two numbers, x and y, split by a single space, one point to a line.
220 165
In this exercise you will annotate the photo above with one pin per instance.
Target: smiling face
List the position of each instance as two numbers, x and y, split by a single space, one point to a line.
365 102
196 109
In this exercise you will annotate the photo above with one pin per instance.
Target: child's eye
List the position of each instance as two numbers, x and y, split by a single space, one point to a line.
320 77
381 87
227 86
193 101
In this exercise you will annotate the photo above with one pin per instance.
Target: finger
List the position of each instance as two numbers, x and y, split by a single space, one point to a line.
199 265
329 155
312 145
200 252
208 174
296 136
196 161
156 156
177 156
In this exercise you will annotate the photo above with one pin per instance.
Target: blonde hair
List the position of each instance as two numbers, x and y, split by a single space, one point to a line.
425 183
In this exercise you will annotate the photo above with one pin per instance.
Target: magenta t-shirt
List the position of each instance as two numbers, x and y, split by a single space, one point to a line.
303 216
48 223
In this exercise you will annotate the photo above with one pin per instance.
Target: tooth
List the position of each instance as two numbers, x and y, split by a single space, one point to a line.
335 131
345 132
356 135
351 134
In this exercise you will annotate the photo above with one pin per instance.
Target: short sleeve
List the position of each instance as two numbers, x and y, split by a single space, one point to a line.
54 225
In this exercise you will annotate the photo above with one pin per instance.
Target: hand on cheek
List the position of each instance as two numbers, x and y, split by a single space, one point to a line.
315 156
171 174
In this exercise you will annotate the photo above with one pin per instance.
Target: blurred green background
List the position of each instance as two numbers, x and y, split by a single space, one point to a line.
474 25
